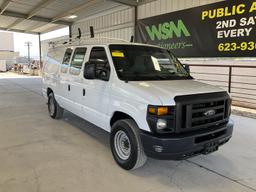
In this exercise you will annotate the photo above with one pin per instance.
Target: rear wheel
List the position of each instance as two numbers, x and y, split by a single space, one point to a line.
126 145
55 111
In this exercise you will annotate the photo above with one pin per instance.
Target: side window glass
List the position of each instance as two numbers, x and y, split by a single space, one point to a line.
98 56
77 61
66 59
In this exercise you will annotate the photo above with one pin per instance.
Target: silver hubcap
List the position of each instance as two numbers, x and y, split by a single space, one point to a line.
122 145
51 106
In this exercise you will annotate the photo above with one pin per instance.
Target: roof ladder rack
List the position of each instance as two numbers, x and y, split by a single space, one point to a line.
85 40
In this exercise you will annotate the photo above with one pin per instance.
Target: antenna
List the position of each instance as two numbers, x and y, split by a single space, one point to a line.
92 31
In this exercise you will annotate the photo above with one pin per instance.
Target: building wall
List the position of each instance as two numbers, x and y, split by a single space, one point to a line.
159 7
6 41
119 21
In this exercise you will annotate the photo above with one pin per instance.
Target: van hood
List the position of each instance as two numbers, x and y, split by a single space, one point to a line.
166 91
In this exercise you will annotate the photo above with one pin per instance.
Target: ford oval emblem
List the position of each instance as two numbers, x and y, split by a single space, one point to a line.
209 113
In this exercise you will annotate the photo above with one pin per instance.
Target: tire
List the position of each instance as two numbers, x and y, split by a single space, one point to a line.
55 111
128 154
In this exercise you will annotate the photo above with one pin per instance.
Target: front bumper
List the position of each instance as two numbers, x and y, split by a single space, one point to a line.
187 145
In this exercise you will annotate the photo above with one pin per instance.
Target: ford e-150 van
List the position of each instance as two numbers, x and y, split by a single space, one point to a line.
142 95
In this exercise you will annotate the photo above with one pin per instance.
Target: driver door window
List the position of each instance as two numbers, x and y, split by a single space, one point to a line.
98 56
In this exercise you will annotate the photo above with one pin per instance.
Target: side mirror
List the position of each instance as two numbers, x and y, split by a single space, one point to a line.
89 71
105 77
187 68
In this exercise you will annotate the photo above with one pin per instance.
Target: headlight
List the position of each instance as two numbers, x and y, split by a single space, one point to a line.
161 124
161 119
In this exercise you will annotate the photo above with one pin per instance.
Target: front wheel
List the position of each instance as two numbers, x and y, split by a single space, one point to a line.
55 111
126 145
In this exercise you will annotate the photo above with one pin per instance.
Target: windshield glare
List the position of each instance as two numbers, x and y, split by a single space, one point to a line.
140 63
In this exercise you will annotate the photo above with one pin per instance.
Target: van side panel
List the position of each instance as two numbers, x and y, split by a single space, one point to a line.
51 70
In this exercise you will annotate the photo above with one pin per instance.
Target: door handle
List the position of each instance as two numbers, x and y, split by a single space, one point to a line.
83 92
68 87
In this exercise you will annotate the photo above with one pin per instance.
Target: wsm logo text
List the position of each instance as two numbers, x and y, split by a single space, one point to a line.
167 30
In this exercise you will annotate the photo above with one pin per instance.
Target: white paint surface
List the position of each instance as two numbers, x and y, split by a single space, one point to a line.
6 41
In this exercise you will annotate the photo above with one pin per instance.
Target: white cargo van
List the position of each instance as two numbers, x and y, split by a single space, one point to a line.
141 95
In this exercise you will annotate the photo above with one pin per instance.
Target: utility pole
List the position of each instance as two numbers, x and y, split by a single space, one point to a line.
28 44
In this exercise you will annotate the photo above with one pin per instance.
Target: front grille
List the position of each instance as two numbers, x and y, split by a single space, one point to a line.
202 111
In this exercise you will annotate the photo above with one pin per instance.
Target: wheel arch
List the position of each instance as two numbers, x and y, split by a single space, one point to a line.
126 111
119 115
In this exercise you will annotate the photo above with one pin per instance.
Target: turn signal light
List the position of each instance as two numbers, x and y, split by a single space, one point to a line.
158 110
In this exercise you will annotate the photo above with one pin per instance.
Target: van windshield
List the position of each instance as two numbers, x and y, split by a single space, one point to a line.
144 63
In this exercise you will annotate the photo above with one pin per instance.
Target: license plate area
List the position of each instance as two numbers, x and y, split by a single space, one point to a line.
211 147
